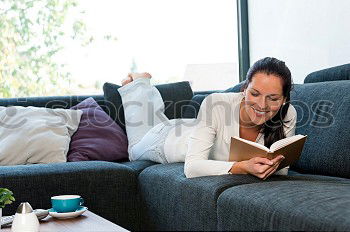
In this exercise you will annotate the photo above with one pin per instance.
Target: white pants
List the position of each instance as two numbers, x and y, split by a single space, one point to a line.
147 126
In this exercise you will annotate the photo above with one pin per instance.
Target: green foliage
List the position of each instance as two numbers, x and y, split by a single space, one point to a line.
31 34
5 197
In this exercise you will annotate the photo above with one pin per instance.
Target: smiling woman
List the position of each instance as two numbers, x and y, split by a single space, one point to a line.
261 101
260 113
267 95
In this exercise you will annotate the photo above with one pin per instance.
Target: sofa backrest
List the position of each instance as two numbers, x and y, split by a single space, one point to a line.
50 102
192 109
324 115
337 73
175 95
323 110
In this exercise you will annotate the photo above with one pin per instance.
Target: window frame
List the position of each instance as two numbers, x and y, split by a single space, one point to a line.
243 38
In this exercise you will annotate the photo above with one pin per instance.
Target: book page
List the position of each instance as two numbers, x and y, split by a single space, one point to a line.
258 145
284 142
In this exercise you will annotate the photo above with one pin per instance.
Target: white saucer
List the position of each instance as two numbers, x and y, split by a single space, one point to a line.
78 212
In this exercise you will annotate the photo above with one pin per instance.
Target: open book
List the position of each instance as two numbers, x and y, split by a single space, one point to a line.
290 148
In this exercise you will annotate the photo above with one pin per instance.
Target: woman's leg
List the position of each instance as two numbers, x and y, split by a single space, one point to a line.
151 146
167 142
143 109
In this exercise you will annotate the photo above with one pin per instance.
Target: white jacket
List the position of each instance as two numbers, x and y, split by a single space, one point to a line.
209 142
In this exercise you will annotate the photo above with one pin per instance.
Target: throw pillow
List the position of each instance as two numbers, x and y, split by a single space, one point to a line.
175 96
32 135
98 136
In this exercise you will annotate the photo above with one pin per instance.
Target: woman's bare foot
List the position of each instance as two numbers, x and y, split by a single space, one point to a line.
127 80
133 76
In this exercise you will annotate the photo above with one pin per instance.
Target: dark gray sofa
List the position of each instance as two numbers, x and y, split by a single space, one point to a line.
143 195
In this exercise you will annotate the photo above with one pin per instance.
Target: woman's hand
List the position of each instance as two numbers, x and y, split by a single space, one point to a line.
257 166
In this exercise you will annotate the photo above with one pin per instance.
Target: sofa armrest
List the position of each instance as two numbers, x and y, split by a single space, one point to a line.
109 189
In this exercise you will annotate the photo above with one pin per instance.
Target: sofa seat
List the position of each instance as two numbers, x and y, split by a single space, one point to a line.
173 202
108 189
313 203
138 165
305 176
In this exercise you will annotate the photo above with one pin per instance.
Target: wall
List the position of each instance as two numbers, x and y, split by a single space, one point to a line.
307 34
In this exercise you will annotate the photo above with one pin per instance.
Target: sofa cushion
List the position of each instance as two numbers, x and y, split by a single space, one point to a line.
295 205
98 137
31 135
341 72
192 109
293 174
174 202
138 165
109 189
175 97
323 113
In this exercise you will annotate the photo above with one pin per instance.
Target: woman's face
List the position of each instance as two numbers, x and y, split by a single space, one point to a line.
263 98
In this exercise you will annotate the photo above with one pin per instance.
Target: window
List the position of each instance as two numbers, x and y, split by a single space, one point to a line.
102 41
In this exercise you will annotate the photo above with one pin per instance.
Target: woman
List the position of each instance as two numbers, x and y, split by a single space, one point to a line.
260 113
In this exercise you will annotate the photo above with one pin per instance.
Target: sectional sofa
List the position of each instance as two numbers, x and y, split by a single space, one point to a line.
143 195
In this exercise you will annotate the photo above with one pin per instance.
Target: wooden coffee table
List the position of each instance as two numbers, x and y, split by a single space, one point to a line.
88 222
